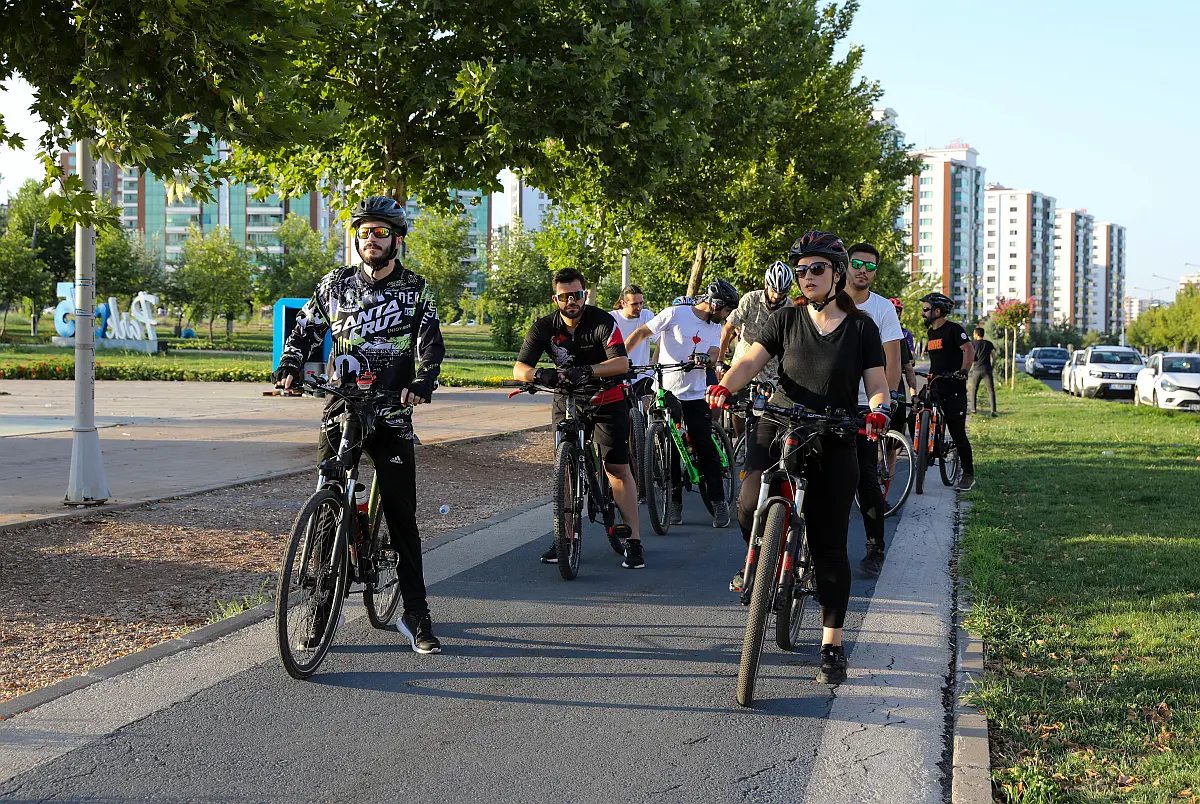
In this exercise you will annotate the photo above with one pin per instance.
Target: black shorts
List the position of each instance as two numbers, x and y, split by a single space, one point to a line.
611 431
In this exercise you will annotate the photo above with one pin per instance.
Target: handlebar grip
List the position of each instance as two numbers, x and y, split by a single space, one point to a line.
511 383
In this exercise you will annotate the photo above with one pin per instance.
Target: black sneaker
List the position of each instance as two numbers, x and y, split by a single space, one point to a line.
833 665
721 514
966 482
872 563
676 515
633 554
551 555
739 581
419 630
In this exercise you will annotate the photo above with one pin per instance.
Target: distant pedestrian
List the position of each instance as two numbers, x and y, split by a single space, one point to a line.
981 370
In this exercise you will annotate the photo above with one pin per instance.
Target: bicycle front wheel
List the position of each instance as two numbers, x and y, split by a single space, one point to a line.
729 472
312 584
795 589
568 511
762 598
950 465
921 445
637 446
381 597
895 470
658 476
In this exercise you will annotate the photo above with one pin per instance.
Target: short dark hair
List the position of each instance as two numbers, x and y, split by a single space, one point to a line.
867 247
979 331
630 290
568 275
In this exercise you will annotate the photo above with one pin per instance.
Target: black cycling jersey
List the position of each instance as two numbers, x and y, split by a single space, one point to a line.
595 340
389 328
945 348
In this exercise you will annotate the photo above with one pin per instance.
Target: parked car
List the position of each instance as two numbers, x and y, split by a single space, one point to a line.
1107 370
1046 361
1170 380
1069 370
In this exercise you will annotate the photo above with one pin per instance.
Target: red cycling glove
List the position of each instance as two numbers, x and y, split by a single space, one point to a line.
877 421
717 396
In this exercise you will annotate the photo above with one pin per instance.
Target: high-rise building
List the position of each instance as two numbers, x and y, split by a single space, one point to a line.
945 224
1135 307
1018 254
1189 280
478 207
519 200
1075 291
1108 257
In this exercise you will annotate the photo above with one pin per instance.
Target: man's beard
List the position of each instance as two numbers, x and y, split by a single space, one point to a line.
866 284
568 313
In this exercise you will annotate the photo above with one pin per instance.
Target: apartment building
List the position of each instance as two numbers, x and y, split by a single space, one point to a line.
1075 287
1018 254
945 224
479 207
1108 259
1134 307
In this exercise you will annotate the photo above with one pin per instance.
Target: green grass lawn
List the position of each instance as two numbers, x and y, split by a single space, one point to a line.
1082 553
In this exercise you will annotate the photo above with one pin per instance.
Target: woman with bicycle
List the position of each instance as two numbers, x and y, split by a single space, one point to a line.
825 345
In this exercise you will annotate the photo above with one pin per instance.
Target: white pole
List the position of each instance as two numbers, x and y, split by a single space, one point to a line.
626 269
87 484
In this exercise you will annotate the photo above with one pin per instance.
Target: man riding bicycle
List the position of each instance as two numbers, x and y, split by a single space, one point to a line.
384 322
684 331
950 357
585 344
747 321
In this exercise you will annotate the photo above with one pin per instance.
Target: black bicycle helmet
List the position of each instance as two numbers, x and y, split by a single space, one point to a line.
779 279
939 301
821 244
721 292
380 208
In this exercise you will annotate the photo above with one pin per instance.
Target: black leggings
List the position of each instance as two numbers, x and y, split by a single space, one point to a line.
393 457
832 479
952 396
870 496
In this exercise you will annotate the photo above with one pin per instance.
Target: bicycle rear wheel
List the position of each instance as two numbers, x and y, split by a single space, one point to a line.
637 445
921 445
762 598
381 596
895 474
950 465
312 584
729 472
658 476
568 513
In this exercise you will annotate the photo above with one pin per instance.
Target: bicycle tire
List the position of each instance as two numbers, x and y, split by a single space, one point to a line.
381 598
921 445
317 534
637 444
761 598
949 465
795 591
739 451
729 474
568 514
900 482
658 477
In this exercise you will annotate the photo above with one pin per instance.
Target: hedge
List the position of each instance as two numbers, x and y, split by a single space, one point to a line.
203 345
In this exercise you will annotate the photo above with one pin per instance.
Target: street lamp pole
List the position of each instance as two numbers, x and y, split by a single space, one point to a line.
87 484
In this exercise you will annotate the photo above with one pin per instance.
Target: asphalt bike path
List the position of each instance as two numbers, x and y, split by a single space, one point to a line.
617 686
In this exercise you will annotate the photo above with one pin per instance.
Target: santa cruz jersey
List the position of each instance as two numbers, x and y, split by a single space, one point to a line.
596 339
389 328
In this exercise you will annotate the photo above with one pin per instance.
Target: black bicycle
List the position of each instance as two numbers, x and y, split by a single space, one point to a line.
780 576
579 478
930 440
334 543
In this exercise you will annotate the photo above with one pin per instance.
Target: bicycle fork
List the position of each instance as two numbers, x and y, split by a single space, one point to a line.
790 497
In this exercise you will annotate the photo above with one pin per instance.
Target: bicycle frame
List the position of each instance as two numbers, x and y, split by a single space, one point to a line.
659 408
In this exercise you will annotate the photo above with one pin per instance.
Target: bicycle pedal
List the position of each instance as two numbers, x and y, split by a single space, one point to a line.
621 531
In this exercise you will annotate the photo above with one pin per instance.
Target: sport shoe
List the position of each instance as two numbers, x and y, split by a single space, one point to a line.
739 581
419 630
676 515
721 514
833 665
872 563
966 482
633 554
550 556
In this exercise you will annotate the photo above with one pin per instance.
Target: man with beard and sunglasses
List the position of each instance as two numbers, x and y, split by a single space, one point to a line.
950 357
584 342
384 321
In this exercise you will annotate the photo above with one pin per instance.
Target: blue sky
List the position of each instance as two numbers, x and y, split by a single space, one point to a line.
1094 103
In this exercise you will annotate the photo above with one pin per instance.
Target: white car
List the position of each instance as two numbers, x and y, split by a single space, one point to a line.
1069 371
1169 380
1105 370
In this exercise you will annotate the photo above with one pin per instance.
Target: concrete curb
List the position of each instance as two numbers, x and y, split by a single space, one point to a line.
214 631
971 778
92 510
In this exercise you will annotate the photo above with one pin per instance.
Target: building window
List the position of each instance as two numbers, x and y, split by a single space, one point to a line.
991 232
926 235
926 263
926 221
926 249
130 198
926 194
1012 231
926 180
991 257
925 208
991 209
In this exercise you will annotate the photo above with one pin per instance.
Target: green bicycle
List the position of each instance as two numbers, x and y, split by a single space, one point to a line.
664 436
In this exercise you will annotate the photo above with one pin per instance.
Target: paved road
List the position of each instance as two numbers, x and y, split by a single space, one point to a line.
617 686
164 438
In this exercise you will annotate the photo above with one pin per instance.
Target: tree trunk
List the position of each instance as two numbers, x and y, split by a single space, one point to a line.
697 274
33 322
211 318
4 323
229 327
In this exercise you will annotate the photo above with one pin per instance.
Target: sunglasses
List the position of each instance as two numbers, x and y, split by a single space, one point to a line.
863 265
379 231
926 309
570 296
816 269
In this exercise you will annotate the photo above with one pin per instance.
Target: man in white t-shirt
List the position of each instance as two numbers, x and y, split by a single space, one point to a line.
864 263
684 331
630 314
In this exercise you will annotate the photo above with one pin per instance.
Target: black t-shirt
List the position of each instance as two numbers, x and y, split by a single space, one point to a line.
821 371
984 349
945 348
596 339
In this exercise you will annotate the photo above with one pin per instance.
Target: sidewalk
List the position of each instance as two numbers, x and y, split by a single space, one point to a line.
161 439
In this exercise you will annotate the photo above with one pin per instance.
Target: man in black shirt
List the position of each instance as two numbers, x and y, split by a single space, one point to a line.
981 369
584 342
950 355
